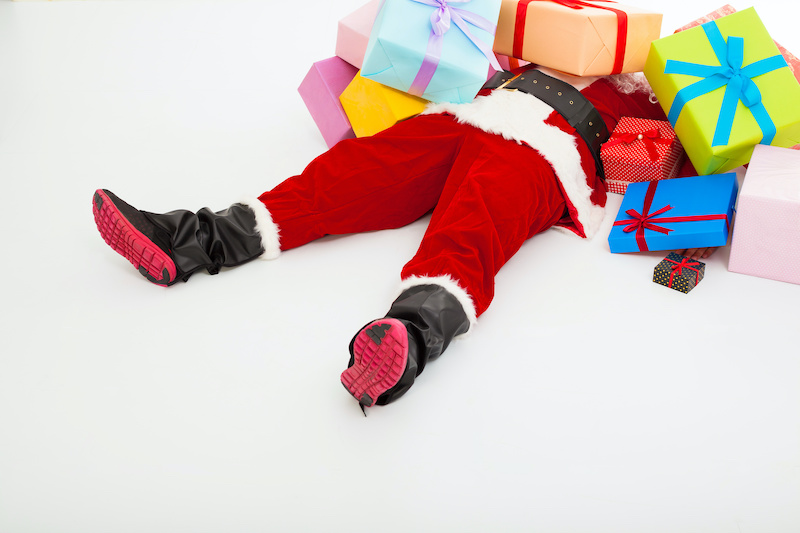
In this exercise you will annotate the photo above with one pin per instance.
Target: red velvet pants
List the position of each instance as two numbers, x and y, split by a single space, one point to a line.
488 195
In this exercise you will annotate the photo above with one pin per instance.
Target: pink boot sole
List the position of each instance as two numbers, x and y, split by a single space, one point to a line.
121 234
380 354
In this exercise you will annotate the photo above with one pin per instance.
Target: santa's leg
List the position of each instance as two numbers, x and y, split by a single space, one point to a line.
168 247
498 194
384 181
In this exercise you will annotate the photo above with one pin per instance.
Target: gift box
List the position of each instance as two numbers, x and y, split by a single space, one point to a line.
584 38
679 272
766 241
676 214
640 150
727 9
353 31
320 90
725 88
372 107
441 53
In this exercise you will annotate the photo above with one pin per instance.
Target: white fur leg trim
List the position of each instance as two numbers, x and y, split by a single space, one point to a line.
269 231
450 285
520 117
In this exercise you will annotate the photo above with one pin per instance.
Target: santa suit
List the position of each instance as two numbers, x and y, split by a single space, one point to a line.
493 173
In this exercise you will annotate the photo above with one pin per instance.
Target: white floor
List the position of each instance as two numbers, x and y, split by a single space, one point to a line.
588 399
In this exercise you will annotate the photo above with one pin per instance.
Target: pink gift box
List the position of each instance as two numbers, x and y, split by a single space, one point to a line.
727 9
766 235
353 33
320 90
640 150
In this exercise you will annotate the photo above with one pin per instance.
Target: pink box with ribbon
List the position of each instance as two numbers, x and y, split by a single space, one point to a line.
640 150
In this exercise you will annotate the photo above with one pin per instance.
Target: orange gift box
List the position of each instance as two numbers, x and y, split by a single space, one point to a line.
583 38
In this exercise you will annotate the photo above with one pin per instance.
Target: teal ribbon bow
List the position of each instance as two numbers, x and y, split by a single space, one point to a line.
737 80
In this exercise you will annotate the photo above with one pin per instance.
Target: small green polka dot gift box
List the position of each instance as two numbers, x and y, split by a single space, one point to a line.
679 272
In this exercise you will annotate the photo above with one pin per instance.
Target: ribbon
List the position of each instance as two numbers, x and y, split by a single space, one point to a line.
622 27
737 80
650 138
677 268
441 18
641 222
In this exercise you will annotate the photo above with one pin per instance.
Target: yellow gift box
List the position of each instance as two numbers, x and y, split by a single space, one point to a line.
725 88
372 107
576 36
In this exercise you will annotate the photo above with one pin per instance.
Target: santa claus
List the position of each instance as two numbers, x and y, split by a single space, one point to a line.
519 159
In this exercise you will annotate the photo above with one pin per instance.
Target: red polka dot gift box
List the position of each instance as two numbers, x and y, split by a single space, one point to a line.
640 150
679 272
766 239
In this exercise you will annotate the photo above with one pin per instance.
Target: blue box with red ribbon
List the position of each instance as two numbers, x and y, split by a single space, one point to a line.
435 49
676 214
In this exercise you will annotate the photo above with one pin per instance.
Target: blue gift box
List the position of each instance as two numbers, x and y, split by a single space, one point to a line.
675 214
402 50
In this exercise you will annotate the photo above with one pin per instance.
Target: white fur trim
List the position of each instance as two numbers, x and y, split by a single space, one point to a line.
450 285
267 229
521 117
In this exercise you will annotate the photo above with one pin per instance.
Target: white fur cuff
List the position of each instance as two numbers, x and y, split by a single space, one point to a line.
450 285
267 229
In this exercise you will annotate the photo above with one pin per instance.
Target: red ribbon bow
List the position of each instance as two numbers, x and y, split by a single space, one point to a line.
622 27
677 268
640 222
650 138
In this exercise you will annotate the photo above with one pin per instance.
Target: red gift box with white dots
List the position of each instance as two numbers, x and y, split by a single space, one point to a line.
640 149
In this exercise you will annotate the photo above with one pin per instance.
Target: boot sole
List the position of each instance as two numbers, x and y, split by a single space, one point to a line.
380 354
121 235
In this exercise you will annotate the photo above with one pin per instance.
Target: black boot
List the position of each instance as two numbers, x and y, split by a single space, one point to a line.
388 354
169 247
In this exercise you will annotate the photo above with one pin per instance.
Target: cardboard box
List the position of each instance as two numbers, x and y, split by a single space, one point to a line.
717 138
640 150
679 272
585 41
320 91
675 214
353 32
766 240
401 52
372 107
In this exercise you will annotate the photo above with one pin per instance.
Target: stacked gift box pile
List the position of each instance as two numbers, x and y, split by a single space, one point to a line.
729 91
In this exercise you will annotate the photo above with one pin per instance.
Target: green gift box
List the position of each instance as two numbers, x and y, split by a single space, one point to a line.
725 88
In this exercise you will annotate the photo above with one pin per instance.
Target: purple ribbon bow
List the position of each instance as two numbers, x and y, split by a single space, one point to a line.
441 18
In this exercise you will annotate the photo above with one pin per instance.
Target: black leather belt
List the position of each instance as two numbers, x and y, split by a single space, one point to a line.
564 98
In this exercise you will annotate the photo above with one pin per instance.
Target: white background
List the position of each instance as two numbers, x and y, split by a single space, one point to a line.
587 399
